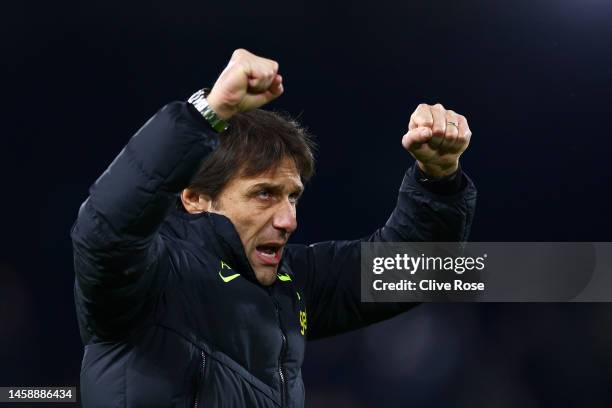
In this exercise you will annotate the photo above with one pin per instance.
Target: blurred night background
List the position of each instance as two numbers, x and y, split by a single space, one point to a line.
534 79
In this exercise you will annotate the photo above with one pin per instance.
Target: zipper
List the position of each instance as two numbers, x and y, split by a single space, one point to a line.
200 379
280 368
281 373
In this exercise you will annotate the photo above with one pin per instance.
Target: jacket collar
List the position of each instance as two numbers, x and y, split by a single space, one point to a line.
218 232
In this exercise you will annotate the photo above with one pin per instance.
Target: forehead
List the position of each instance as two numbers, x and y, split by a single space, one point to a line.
285 174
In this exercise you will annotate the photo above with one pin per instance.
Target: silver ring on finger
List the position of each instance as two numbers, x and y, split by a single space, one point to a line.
455 124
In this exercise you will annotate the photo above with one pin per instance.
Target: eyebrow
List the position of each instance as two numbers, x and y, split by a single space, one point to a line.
276 188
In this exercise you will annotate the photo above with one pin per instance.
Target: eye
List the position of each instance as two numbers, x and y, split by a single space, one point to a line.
293 198
263 194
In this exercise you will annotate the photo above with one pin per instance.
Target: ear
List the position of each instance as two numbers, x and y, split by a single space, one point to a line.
195 202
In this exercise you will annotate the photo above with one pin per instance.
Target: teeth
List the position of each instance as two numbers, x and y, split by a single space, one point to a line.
267 251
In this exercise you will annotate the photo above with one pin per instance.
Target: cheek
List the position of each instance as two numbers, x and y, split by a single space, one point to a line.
249 228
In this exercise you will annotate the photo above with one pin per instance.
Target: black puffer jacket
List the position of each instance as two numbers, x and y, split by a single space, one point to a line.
168 306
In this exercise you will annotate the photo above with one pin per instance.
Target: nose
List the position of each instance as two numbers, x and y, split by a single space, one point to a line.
285 217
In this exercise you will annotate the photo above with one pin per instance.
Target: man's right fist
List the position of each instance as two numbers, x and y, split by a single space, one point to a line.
247 82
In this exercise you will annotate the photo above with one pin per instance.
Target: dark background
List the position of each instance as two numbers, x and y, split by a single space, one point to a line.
533 79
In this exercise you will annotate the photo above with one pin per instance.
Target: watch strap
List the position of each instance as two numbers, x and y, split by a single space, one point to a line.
198 100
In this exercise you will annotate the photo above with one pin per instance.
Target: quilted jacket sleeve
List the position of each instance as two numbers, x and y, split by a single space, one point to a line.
118 254
330 271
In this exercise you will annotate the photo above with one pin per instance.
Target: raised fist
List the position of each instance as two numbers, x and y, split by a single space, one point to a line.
436 138
246 83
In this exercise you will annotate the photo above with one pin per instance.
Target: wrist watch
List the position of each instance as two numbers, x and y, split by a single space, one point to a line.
198 100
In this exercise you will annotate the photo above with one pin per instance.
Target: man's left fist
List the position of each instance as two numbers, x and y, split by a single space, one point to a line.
436 138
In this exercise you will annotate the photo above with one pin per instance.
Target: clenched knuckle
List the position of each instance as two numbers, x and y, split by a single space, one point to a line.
426 121
239 52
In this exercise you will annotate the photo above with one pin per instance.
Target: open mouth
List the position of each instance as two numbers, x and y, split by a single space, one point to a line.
270 253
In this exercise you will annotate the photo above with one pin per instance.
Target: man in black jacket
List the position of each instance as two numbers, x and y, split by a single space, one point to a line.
207 304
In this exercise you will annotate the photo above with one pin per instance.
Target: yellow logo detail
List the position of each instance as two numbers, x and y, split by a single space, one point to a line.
303 322
284 277
230 277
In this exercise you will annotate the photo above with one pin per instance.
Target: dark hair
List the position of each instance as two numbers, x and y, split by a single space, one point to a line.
255 142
